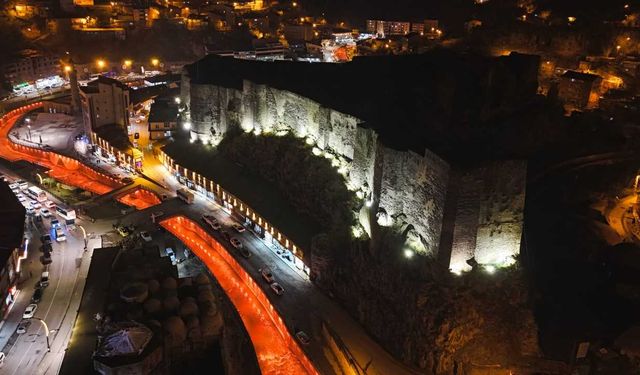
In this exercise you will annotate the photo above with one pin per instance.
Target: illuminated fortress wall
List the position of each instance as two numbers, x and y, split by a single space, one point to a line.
404 190
489 214
412 191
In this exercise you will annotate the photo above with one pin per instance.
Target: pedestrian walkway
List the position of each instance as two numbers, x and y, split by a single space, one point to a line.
78 357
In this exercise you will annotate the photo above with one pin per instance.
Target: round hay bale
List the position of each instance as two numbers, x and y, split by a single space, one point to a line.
171 304
188 308
192 322
186 281
211 325
152 306
208 308
169 283
134 292
206 295
175 330
153 285
202 279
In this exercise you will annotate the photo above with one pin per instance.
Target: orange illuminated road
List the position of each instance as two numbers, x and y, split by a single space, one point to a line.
278 353
140 199
62 168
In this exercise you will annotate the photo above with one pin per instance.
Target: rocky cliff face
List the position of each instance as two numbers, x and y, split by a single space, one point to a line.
432 321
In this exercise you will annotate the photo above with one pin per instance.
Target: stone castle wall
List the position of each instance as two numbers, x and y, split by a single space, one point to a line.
410 189
412 196
489 214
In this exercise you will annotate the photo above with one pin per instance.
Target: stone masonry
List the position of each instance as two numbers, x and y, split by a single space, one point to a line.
410 189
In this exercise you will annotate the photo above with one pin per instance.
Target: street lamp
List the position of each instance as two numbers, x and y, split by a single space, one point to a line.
46 331
155 61
127 64
84 236
101 64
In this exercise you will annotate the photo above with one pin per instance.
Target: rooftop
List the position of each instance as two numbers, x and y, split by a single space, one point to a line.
92 87
162 112
586 77
116 136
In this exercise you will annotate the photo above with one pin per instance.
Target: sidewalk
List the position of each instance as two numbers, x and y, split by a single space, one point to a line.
52 362
31 271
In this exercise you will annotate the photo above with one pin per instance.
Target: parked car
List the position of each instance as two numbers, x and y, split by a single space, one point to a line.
267 275
212 221
49 204
244 252
123 231
60 236
239 228
235 243
31 211
46 247
145 236
37 295
44 279
45 259
126 180
277 288
45 213
303 337
35 204
55 223
21 198
30 311
23 326
45 238
171 254
38 218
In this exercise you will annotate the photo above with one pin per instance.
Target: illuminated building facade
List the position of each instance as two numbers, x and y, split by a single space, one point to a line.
105 101
12 246
32 65
579 90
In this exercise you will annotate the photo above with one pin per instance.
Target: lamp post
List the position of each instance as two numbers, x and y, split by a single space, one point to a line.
84 236
46 331
28 121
